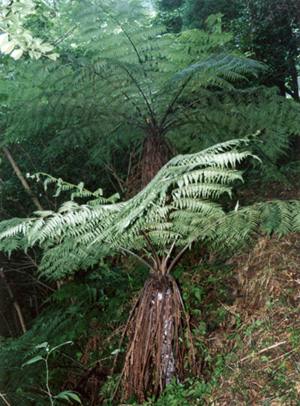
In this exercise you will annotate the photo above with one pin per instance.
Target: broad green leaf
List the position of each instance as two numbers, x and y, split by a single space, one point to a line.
198 294
33 360
37 55
62 395
43 345
68 395
17 7
53 56
75 397
46 48
60 345
3 39
8 47
27 36
38 41
17 53
5 11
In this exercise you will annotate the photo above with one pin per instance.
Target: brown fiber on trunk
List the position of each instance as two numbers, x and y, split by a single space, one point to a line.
155 155
157 348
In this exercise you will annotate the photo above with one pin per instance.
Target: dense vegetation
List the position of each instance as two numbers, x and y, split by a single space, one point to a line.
150 211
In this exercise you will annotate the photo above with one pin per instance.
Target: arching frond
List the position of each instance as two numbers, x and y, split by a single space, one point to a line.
181 204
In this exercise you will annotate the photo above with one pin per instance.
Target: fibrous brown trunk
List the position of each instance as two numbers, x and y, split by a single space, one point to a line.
157 349
155 155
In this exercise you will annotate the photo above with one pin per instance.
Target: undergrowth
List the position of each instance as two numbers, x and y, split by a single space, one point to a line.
244 316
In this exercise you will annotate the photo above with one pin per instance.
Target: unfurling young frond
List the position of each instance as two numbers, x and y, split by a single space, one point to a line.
180 205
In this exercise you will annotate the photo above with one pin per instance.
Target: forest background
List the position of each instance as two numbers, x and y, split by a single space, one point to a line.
99 96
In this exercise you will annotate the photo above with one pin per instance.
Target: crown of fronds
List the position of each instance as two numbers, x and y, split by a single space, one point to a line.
130 70
180 205
128 78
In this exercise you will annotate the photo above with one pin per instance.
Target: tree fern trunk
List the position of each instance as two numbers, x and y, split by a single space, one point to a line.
155 352
155 155
167 355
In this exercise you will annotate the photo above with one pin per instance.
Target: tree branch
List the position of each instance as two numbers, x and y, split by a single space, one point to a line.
22 178
15 303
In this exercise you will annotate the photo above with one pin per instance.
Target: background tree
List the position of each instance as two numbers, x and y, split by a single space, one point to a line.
263 24
169 13
196 12
266 31
16 38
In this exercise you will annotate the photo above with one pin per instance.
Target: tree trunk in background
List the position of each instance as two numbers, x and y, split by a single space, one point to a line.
22 179
3 398
15 303
294 77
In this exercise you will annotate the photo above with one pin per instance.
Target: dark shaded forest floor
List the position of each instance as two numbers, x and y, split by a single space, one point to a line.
259 337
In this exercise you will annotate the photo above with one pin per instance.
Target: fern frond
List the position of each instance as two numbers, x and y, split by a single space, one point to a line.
179 204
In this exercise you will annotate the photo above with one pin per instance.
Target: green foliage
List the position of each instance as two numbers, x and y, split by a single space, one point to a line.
119 82
81 118
14 38
196 11
268 31
70 313
192 392
169 13
65 395
177 207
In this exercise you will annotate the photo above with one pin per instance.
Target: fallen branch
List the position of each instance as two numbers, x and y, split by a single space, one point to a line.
6 402
263 350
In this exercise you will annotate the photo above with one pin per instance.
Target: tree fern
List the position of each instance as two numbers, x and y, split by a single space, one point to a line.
128 83
179 206
181 201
